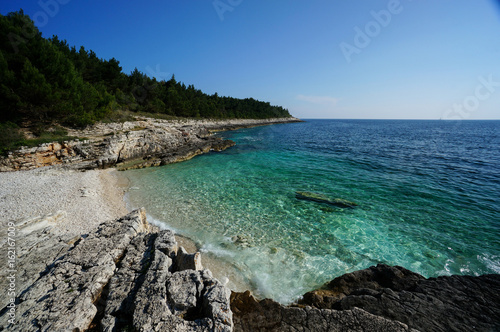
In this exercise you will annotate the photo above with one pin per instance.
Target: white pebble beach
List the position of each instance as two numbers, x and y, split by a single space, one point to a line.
81 201
85 198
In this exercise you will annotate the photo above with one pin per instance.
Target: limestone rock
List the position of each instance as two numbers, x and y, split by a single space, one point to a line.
179 300
186 261
62 299
122 276
116 308
374 278
136 144
449 303
41 244
268 315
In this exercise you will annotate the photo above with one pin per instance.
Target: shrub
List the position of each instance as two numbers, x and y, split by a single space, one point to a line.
10 137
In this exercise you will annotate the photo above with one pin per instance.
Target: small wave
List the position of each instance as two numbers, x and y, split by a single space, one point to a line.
216 250
446 268
160 224
262 281
251 139
492 262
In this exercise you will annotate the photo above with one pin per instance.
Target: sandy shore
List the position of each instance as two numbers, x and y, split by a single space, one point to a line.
86 199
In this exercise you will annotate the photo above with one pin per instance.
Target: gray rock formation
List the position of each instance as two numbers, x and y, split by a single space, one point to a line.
381 298
137 144
41 245
267 315
129 276
449 303
125 275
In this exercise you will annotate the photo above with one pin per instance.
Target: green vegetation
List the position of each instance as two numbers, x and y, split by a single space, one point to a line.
12 138
45 82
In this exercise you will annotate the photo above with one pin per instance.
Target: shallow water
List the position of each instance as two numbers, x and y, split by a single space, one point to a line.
428 195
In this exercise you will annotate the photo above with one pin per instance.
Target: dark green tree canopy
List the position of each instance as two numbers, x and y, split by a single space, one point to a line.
46 80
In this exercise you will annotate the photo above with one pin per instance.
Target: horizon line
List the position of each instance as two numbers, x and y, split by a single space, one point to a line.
393 119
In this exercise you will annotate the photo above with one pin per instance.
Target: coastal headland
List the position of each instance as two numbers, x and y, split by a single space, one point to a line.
142 143
74 258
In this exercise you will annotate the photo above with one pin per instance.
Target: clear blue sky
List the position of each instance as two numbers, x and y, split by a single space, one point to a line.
420 59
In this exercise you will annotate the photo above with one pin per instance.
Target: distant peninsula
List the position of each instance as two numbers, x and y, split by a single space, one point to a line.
45 83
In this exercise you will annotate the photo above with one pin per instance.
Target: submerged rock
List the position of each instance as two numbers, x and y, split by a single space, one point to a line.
338 202
241 241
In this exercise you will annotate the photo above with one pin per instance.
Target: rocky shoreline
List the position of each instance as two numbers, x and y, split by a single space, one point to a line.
128 275
135 144
380 298
80 266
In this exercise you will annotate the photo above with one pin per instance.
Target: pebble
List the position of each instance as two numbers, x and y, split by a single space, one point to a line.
43 191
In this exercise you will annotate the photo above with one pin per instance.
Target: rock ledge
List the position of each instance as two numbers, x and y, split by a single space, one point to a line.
134 144
126 275
129 276
381 298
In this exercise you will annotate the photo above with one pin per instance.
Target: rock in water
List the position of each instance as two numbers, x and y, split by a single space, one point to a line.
339 202
381 298
448 303
267 315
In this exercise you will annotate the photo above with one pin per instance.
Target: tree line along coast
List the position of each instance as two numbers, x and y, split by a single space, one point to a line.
45 83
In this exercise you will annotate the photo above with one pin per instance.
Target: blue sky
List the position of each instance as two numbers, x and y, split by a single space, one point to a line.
387 59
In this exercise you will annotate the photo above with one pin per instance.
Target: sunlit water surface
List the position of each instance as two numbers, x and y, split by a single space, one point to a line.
428 195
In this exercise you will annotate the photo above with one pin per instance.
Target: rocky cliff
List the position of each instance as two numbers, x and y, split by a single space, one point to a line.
136 144
129 276
380 298
126 275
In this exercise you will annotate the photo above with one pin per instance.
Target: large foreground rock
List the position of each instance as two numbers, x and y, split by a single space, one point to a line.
448 303
124 276
129 276
380 298
267 315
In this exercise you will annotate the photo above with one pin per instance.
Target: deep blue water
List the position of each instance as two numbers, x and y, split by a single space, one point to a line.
428 195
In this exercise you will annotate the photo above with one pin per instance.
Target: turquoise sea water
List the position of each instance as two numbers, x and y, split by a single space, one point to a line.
428 195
